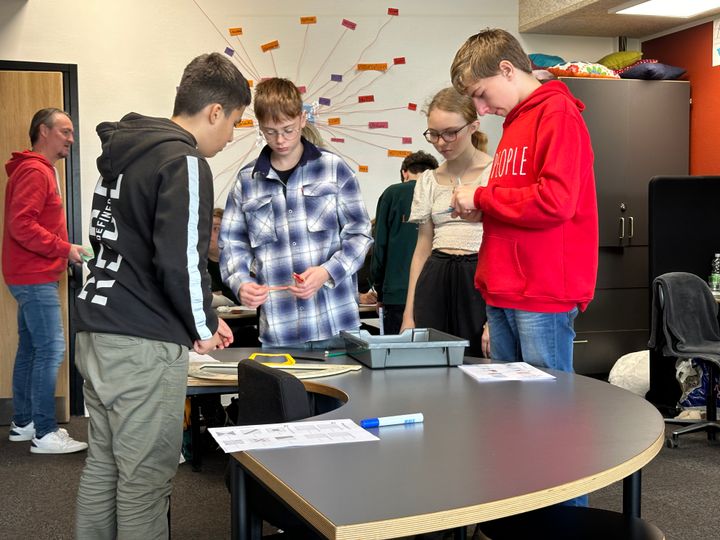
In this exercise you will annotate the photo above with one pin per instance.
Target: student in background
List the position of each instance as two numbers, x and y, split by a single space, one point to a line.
441 293
538 262
222 294
147 299
295 230
395 240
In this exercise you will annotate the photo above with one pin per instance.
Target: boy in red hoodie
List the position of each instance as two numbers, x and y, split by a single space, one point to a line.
538 260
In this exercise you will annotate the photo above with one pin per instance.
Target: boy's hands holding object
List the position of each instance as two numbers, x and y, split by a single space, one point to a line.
253 295
463 201
309 282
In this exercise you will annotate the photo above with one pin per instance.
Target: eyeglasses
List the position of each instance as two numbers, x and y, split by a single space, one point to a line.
448 135
288 133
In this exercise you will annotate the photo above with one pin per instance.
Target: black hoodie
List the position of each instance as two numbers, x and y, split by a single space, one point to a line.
150 231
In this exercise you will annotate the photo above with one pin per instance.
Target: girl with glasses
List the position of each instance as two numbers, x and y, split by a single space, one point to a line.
441 290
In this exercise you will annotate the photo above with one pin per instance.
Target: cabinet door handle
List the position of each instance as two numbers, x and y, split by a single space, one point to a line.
622 228
580 341
631 227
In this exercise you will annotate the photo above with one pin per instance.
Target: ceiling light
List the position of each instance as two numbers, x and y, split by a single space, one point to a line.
666 8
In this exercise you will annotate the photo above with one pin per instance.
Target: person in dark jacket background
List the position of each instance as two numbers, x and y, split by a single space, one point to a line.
395 240
148 298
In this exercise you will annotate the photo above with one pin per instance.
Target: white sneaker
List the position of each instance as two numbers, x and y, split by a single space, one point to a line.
56 442
25 433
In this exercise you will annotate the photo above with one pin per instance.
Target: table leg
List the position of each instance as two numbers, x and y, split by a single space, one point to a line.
631 494
244 523
195 442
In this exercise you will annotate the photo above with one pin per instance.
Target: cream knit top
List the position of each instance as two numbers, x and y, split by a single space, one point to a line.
431 199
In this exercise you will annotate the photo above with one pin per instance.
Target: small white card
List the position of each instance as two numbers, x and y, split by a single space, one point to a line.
512 371
242 438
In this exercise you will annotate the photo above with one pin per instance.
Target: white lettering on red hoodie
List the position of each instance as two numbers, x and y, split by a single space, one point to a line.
540 242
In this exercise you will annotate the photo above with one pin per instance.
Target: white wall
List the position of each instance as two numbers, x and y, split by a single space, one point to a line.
131 53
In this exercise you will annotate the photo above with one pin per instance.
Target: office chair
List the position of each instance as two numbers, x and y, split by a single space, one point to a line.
269 396
685 325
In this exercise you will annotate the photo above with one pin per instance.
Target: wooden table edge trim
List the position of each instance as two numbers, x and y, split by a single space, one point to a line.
447 519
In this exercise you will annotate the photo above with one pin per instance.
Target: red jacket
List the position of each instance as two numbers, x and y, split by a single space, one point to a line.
540 242
35 240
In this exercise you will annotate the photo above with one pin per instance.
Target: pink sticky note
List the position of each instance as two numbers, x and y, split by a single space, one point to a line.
377 125
348 24
407 140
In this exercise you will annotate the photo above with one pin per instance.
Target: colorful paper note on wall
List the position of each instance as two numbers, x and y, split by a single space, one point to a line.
372 67
270 46
377 125
407 140
393 11
399 60
335 77
362 168
366 99
348 24
229 51
235 31
301 89
308 20
324 101
399 153
337 139
245 123
412 106
333 121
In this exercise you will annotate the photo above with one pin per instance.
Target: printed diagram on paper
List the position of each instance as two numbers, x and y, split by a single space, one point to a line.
242 438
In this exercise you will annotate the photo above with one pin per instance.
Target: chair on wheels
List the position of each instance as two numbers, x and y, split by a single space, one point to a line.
685 325
269 396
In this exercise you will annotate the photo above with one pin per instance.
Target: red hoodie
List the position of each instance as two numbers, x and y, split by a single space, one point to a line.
35 240
540 241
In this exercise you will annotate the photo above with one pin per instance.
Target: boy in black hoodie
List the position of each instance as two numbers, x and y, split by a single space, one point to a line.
148 298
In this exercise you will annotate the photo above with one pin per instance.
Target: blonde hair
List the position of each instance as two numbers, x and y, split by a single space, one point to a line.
449 100
277 99
311 133
480 56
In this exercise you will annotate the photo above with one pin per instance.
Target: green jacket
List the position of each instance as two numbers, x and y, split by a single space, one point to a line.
395 241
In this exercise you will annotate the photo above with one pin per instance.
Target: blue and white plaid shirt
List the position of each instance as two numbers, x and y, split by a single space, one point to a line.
318 220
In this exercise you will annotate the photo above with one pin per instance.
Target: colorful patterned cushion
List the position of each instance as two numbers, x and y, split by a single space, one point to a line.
620 59
582 69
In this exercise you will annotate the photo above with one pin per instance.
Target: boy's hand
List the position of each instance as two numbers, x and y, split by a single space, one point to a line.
312 279
253 295
76 253
219 340
463 201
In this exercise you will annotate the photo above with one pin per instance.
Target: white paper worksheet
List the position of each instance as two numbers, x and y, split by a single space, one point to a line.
512 371
241 438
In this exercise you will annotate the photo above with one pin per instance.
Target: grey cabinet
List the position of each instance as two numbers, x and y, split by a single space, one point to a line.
639 129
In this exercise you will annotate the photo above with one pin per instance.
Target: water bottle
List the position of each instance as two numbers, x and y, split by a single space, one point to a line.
714 280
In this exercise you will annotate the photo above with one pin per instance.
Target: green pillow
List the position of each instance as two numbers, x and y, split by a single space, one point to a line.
620 59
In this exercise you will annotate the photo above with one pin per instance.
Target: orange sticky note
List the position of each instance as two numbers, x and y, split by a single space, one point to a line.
372 67
308 20
270 46
399 153
333 121
362 168
250 83
245 123
235 31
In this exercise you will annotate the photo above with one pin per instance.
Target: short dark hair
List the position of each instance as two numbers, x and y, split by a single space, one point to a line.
418 162
211 78
44 117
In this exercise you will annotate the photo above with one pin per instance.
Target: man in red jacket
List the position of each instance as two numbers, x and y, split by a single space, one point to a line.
538 261
35 254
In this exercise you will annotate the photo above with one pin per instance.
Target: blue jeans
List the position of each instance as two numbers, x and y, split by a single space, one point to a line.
41 350
540 339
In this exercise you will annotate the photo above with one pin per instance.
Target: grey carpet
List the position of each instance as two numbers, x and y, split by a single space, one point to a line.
681 492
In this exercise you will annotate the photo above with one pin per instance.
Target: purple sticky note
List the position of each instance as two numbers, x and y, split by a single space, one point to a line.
229 51
336 78
324 101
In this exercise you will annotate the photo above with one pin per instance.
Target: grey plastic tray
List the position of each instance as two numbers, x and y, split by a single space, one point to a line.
414 347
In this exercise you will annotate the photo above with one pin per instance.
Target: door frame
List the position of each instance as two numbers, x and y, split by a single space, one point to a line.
73 210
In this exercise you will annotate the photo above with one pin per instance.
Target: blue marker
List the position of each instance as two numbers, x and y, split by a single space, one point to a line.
391 420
